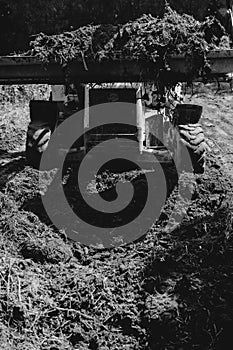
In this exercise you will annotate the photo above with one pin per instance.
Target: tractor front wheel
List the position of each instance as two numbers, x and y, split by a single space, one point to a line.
192 137
37 142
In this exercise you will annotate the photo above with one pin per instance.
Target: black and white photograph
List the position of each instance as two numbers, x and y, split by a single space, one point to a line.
116 174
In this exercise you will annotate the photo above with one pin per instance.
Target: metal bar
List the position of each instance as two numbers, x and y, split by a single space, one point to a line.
86 116
140 124
29 70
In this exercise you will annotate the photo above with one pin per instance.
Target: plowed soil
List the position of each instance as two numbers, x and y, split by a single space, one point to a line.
169 290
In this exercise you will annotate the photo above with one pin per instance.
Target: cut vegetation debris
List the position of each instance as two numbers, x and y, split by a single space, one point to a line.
147 39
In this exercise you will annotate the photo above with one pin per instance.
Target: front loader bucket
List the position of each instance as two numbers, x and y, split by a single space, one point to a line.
187 114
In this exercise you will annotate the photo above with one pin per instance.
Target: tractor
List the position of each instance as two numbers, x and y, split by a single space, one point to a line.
158 120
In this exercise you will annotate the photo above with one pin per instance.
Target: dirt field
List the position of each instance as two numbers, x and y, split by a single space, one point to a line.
166 291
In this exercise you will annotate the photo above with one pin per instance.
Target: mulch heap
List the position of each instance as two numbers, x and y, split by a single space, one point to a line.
147 39
170 290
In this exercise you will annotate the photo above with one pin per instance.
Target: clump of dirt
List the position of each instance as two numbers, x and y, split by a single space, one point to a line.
107 179
210 192
28 183
26 235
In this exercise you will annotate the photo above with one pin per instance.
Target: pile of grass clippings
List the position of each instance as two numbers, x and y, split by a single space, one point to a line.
147 39
83 43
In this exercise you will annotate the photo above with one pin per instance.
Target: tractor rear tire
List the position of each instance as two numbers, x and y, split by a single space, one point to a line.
192 137
37 142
